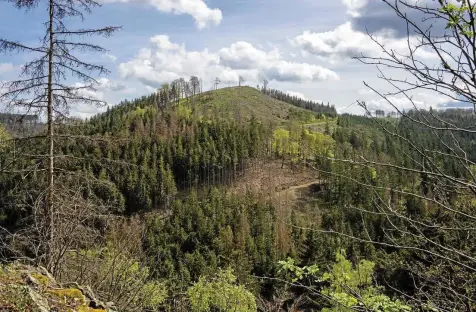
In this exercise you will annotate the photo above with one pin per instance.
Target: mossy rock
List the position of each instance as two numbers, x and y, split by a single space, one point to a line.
42 280
30 289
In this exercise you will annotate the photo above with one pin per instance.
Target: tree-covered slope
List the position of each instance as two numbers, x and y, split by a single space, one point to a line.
239 104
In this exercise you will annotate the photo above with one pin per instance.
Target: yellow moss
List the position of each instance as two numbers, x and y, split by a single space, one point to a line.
16 294
42 279
69 294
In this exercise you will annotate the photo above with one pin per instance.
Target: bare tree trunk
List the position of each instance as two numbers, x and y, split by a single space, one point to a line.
49 215
42 89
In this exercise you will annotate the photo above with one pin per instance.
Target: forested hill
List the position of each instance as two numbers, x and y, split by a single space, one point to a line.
235 103
172 170
241 199
149 149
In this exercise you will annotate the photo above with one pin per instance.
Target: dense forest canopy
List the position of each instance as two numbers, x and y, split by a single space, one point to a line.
240 198
180 165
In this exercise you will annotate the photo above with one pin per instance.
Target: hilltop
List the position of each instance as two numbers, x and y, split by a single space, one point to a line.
245 102
238 104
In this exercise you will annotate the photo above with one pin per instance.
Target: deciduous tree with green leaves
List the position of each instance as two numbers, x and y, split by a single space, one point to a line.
220 293
345 286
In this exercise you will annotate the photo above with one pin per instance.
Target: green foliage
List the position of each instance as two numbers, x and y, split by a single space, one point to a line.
281 142
220 293
472 168
318 144
295 273
183 111
352 287
151 296
138 112
4 136
301 143
460 17
302 116
347 287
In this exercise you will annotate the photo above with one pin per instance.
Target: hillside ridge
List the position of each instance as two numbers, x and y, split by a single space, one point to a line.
238 103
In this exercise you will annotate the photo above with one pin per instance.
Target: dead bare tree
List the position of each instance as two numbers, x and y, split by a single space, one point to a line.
240 80
265 85
44 87
195 85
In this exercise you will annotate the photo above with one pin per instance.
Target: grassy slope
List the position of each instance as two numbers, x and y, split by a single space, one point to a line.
243 103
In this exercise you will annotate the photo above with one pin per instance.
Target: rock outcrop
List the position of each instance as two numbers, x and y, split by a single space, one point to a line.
31 289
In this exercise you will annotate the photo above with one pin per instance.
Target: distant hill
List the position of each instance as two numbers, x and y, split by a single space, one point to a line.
6 118
203 140
235 103
245 102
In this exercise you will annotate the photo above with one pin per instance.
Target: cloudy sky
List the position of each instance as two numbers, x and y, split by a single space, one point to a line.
301 46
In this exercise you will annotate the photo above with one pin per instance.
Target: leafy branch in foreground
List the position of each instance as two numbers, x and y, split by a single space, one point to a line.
430 221
346 287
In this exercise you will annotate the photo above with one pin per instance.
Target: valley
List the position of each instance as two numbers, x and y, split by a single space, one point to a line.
227 179
231 179
185 166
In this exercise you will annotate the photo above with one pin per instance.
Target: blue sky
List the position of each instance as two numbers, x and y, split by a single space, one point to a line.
300 46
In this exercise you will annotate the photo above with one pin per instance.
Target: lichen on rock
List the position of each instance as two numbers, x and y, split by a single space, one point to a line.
25 288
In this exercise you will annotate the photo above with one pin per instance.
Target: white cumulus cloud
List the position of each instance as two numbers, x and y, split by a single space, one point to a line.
243 55
164 61
419 100
296 94
345 42
354 6
102 91
204 16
